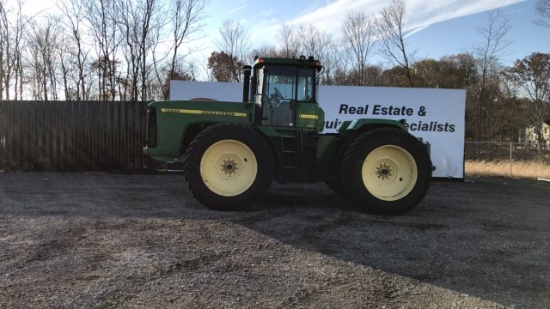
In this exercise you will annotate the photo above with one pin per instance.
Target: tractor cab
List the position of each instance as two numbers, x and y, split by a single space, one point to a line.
285 92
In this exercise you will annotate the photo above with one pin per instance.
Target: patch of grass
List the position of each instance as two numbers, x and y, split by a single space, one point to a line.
520 169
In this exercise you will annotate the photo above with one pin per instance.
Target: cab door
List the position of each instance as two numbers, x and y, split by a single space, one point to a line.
281 90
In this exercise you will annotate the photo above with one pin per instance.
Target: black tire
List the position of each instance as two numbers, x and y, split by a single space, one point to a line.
337 184
386 171
227 166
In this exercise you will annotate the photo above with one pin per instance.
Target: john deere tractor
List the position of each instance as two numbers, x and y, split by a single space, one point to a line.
232 151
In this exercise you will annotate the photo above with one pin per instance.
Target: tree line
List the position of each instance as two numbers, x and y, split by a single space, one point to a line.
130 50
97 49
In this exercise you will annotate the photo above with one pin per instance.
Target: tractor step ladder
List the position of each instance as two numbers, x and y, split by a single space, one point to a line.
290 151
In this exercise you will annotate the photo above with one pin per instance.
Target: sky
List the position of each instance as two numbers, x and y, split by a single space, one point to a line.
439 27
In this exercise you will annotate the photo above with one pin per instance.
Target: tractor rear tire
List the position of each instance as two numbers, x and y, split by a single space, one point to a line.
386 171
227 166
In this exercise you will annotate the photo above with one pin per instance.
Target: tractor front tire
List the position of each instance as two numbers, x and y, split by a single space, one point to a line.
336 184
386 171
227 166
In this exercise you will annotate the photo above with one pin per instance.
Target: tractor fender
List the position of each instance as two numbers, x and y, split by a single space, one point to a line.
364 123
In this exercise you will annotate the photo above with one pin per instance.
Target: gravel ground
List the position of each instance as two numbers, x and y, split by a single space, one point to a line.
140 241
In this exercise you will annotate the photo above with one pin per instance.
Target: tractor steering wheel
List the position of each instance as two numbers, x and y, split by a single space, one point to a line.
276 98
279 94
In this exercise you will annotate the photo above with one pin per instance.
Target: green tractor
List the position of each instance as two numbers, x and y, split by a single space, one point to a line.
232 151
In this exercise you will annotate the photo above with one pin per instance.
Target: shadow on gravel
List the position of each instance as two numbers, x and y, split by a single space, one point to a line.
487 238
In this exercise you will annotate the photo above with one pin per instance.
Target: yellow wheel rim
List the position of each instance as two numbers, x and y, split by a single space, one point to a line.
228 168
389 173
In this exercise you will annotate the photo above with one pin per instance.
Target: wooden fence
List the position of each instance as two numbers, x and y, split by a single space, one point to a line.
64 135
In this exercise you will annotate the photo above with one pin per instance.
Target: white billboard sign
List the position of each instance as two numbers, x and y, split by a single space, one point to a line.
435 115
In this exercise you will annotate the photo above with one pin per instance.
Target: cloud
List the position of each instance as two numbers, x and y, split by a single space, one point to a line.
415 30
420 13
235 10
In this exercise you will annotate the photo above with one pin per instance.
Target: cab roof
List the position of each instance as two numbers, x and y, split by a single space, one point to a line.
288 61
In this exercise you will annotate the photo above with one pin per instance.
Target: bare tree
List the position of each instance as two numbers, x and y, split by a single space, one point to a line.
391 30
77 64
101 16
186 21
358 38
488 56
543 10
12 31
307 40
313 42
44 41
333 61
516 116
234 39
288 41
319 44
533 75
69 72
111 49
185 18
138 22
4 50
128 23
341 73
233 46
266 51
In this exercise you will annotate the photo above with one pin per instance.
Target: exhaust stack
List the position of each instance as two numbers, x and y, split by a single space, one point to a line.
246 83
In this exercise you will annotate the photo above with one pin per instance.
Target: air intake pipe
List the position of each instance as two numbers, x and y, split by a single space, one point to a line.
247 70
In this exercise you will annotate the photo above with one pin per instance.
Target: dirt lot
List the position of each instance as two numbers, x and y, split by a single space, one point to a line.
141 241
